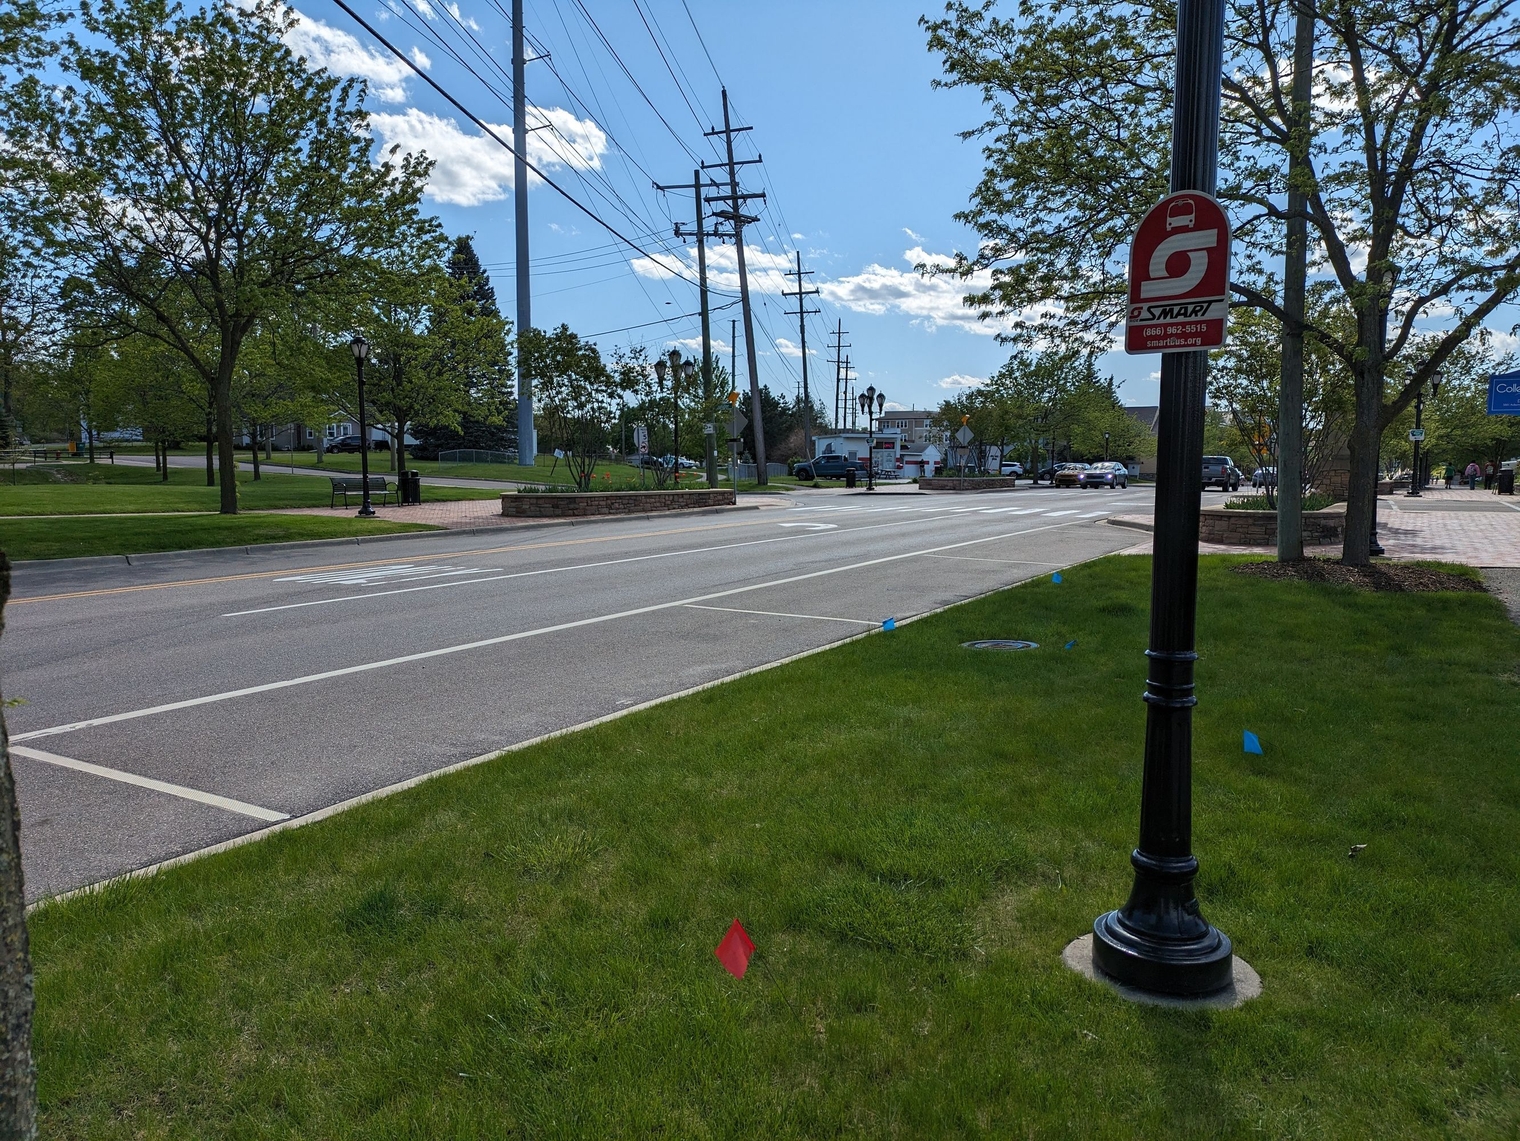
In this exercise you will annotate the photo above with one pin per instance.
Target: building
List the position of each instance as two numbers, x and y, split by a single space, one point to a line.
1148 416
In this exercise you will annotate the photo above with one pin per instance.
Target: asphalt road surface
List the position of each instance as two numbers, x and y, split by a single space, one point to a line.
182 702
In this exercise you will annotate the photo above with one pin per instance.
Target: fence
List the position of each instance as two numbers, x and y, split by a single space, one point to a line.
751 471
472 456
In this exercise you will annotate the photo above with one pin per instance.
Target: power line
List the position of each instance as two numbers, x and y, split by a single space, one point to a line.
467 113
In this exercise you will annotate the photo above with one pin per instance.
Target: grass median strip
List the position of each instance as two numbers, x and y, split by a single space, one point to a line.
911 832
140 534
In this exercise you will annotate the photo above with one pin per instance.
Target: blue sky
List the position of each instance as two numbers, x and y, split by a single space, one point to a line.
863 169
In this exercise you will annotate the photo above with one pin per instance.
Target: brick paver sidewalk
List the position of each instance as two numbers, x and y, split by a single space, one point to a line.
454 514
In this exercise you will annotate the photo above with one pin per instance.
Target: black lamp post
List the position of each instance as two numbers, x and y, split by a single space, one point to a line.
873 404
677 371
1415 480
1105 447
1159 940
361 350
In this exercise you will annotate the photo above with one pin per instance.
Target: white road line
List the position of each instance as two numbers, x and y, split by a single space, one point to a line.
1057 514
1007 562
502 639
783 614
1095 514
179 790
811 526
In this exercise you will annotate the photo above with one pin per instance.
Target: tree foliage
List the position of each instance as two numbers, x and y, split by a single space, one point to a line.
198 176
1413 173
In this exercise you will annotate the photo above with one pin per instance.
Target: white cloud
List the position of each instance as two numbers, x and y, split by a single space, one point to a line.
419 57
959 380
340 53
790 348
473 168
931 302
916 237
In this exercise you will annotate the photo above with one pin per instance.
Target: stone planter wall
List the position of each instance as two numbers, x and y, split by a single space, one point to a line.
970 483
573 505
1259 528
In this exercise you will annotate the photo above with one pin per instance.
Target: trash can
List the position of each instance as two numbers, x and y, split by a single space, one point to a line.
849 477
411 487
1507 481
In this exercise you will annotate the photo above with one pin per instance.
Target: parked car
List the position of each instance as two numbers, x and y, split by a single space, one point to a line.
1069 475
1221 471
1106 474
645 460
829 466
354 443
1012 467
1264 477
668 461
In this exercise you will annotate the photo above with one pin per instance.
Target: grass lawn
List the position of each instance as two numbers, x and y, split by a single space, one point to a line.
136 534
544 471
911 832
85 489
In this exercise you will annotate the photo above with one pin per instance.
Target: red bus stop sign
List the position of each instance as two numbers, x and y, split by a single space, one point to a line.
1179 276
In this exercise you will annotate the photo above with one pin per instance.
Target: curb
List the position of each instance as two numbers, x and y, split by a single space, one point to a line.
1132 522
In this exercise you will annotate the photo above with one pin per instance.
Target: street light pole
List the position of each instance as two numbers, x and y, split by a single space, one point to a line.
1414 476
1159 940
1105 447
360 349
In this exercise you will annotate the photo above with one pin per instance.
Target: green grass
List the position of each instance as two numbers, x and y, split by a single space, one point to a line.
544 471
23 538
912 832
85 489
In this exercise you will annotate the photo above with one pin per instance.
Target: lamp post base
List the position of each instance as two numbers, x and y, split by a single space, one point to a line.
366 512
1159 941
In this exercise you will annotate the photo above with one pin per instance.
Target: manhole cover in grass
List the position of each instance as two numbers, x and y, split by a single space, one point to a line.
1001 644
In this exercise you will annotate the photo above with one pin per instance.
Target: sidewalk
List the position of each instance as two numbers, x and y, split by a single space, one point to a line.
1478 528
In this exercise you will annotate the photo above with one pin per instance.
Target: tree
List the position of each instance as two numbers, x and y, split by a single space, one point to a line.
200 175
1411 178
578 395
1245 379
18 1073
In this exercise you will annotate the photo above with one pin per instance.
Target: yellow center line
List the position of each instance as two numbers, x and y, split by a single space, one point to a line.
376 562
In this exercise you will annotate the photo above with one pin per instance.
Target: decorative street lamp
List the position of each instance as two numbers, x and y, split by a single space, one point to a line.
361 350
1105 447
678 371
1415 482
873 404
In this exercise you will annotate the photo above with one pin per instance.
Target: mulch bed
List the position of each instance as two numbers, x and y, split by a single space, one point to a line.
1391 577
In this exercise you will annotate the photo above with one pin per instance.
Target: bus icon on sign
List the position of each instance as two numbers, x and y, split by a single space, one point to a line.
1180 215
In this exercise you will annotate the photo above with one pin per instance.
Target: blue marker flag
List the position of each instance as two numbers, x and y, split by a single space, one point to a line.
1056 577
889 624
1071 643
1252 744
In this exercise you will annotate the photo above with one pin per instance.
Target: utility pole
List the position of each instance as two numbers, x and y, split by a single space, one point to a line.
849 405
737 219
802 315
527 438
836 360
1290 396
696 186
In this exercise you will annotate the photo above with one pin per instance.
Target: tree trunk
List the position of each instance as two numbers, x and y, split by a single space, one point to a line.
399 450
210 442
269 443
226 455
1356 549
253 438
18 1074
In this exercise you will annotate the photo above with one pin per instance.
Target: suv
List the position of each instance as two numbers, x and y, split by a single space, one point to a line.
828 466
1221 470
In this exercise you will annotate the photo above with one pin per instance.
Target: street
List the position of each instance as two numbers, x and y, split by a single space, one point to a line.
182 702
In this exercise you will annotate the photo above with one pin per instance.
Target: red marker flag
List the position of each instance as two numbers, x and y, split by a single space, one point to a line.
735 950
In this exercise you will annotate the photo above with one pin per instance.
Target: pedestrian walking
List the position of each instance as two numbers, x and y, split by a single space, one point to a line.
1490 473
1471 475
1451 472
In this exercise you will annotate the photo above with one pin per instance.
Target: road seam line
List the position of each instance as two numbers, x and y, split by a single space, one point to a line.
782 614
179 790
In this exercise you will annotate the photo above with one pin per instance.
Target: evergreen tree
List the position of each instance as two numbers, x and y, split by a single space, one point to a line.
464 265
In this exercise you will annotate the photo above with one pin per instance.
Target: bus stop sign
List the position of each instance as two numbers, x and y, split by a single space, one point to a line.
1179 276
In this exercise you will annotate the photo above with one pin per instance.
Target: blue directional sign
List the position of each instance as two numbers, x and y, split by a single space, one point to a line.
1504 394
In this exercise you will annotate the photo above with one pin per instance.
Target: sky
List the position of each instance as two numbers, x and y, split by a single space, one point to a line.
863 171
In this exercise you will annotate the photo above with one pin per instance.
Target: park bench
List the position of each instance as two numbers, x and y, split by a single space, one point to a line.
347 485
